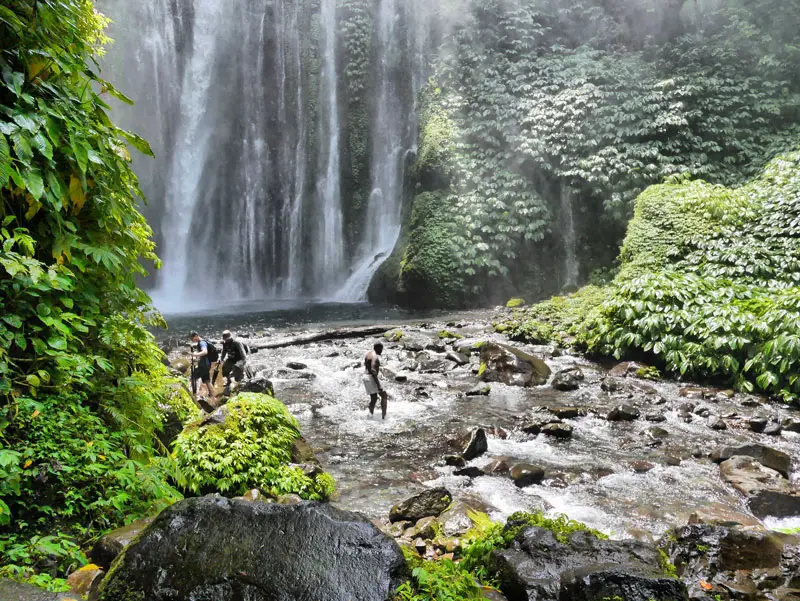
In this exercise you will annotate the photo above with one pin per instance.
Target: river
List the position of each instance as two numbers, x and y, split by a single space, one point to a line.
628 479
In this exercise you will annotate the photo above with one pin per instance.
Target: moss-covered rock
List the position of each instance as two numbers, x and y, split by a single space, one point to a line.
247 444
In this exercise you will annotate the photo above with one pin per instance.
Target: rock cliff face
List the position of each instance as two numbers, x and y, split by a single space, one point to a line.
213 548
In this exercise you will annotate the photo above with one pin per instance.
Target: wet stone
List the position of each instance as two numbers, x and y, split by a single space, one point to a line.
655 417
773 429
457 358
480 391
497 466
455 460
717 423
430 502
469 472
436 347
691 392
657 433
623 413
766 456
702 411
791 424
296 365
566 412
613 385
641 466
524 474
568 379
478 444
559 430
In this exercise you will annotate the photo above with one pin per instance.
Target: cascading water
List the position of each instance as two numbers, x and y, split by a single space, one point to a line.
244 105
329 250
394 135
571 264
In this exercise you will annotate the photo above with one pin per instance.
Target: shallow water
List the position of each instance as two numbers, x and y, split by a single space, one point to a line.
589 477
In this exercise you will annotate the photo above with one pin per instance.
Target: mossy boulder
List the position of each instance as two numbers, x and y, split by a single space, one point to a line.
509 365
229 549
248 443
515 303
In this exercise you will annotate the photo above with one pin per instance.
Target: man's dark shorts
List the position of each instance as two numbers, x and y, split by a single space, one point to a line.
202 372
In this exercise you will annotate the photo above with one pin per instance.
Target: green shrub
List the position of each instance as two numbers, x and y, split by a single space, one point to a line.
515 303
441 580
81 379
251 449
715 295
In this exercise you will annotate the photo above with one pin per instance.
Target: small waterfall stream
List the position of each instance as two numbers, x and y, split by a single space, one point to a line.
569 237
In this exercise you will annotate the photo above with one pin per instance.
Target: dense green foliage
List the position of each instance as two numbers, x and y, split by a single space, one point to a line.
251 449
709 285
82 387
543 103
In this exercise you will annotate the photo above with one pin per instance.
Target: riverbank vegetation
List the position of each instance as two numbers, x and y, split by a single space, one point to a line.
709 286
544 120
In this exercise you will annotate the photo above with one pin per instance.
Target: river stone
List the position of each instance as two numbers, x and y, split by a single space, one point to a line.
620 413
480 391
430 502
469 472
538 567
436 346
568 379
557 430
457 358
766 456
303 453
715 422
257 385
478 444
296 365
455 521
768 494
567 412
757 423
84 581
791 424
455 460
432 366
497 466
724 548
626 368
524 474
512 366
14 591
228 550
112 544
773 429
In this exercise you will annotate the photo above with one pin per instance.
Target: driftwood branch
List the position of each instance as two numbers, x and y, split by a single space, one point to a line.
339 334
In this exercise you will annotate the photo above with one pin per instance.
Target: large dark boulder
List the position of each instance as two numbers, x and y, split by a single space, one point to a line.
219 549
539 567
509 365
431 502
257 385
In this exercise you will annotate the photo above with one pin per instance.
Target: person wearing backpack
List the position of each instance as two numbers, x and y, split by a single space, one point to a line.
206 354
233 358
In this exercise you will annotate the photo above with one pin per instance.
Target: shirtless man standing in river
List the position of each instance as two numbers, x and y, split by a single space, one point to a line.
372 365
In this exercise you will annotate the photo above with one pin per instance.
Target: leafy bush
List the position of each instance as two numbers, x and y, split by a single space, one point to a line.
438 581
710 283
81 378
251 449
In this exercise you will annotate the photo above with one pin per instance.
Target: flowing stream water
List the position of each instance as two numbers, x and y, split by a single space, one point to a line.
624 478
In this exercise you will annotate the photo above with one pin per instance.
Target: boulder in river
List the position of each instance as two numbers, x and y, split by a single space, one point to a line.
257 385
568 379
477 445
539 567
431 502
766 456
509 365
433 366
623 413
229 550
524 474
557 430
457 358
767 492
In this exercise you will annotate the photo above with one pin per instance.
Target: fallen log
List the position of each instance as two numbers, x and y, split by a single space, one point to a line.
338 334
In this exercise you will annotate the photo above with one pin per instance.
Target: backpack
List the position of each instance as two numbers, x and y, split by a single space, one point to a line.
213 353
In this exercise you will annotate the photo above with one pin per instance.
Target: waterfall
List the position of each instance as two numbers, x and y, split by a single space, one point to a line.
245 109
394 133
329 250
571 264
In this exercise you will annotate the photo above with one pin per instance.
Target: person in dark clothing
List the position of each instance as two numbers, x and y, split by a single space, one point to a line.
233 359
372 365
202 370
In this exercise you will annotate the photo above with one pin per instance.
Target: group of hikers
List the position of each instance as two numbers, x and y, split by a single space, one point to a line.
233 363
207 362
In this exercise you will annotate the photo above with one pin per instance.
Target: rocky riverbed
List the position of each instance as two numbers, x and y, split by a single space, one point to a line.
628 456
